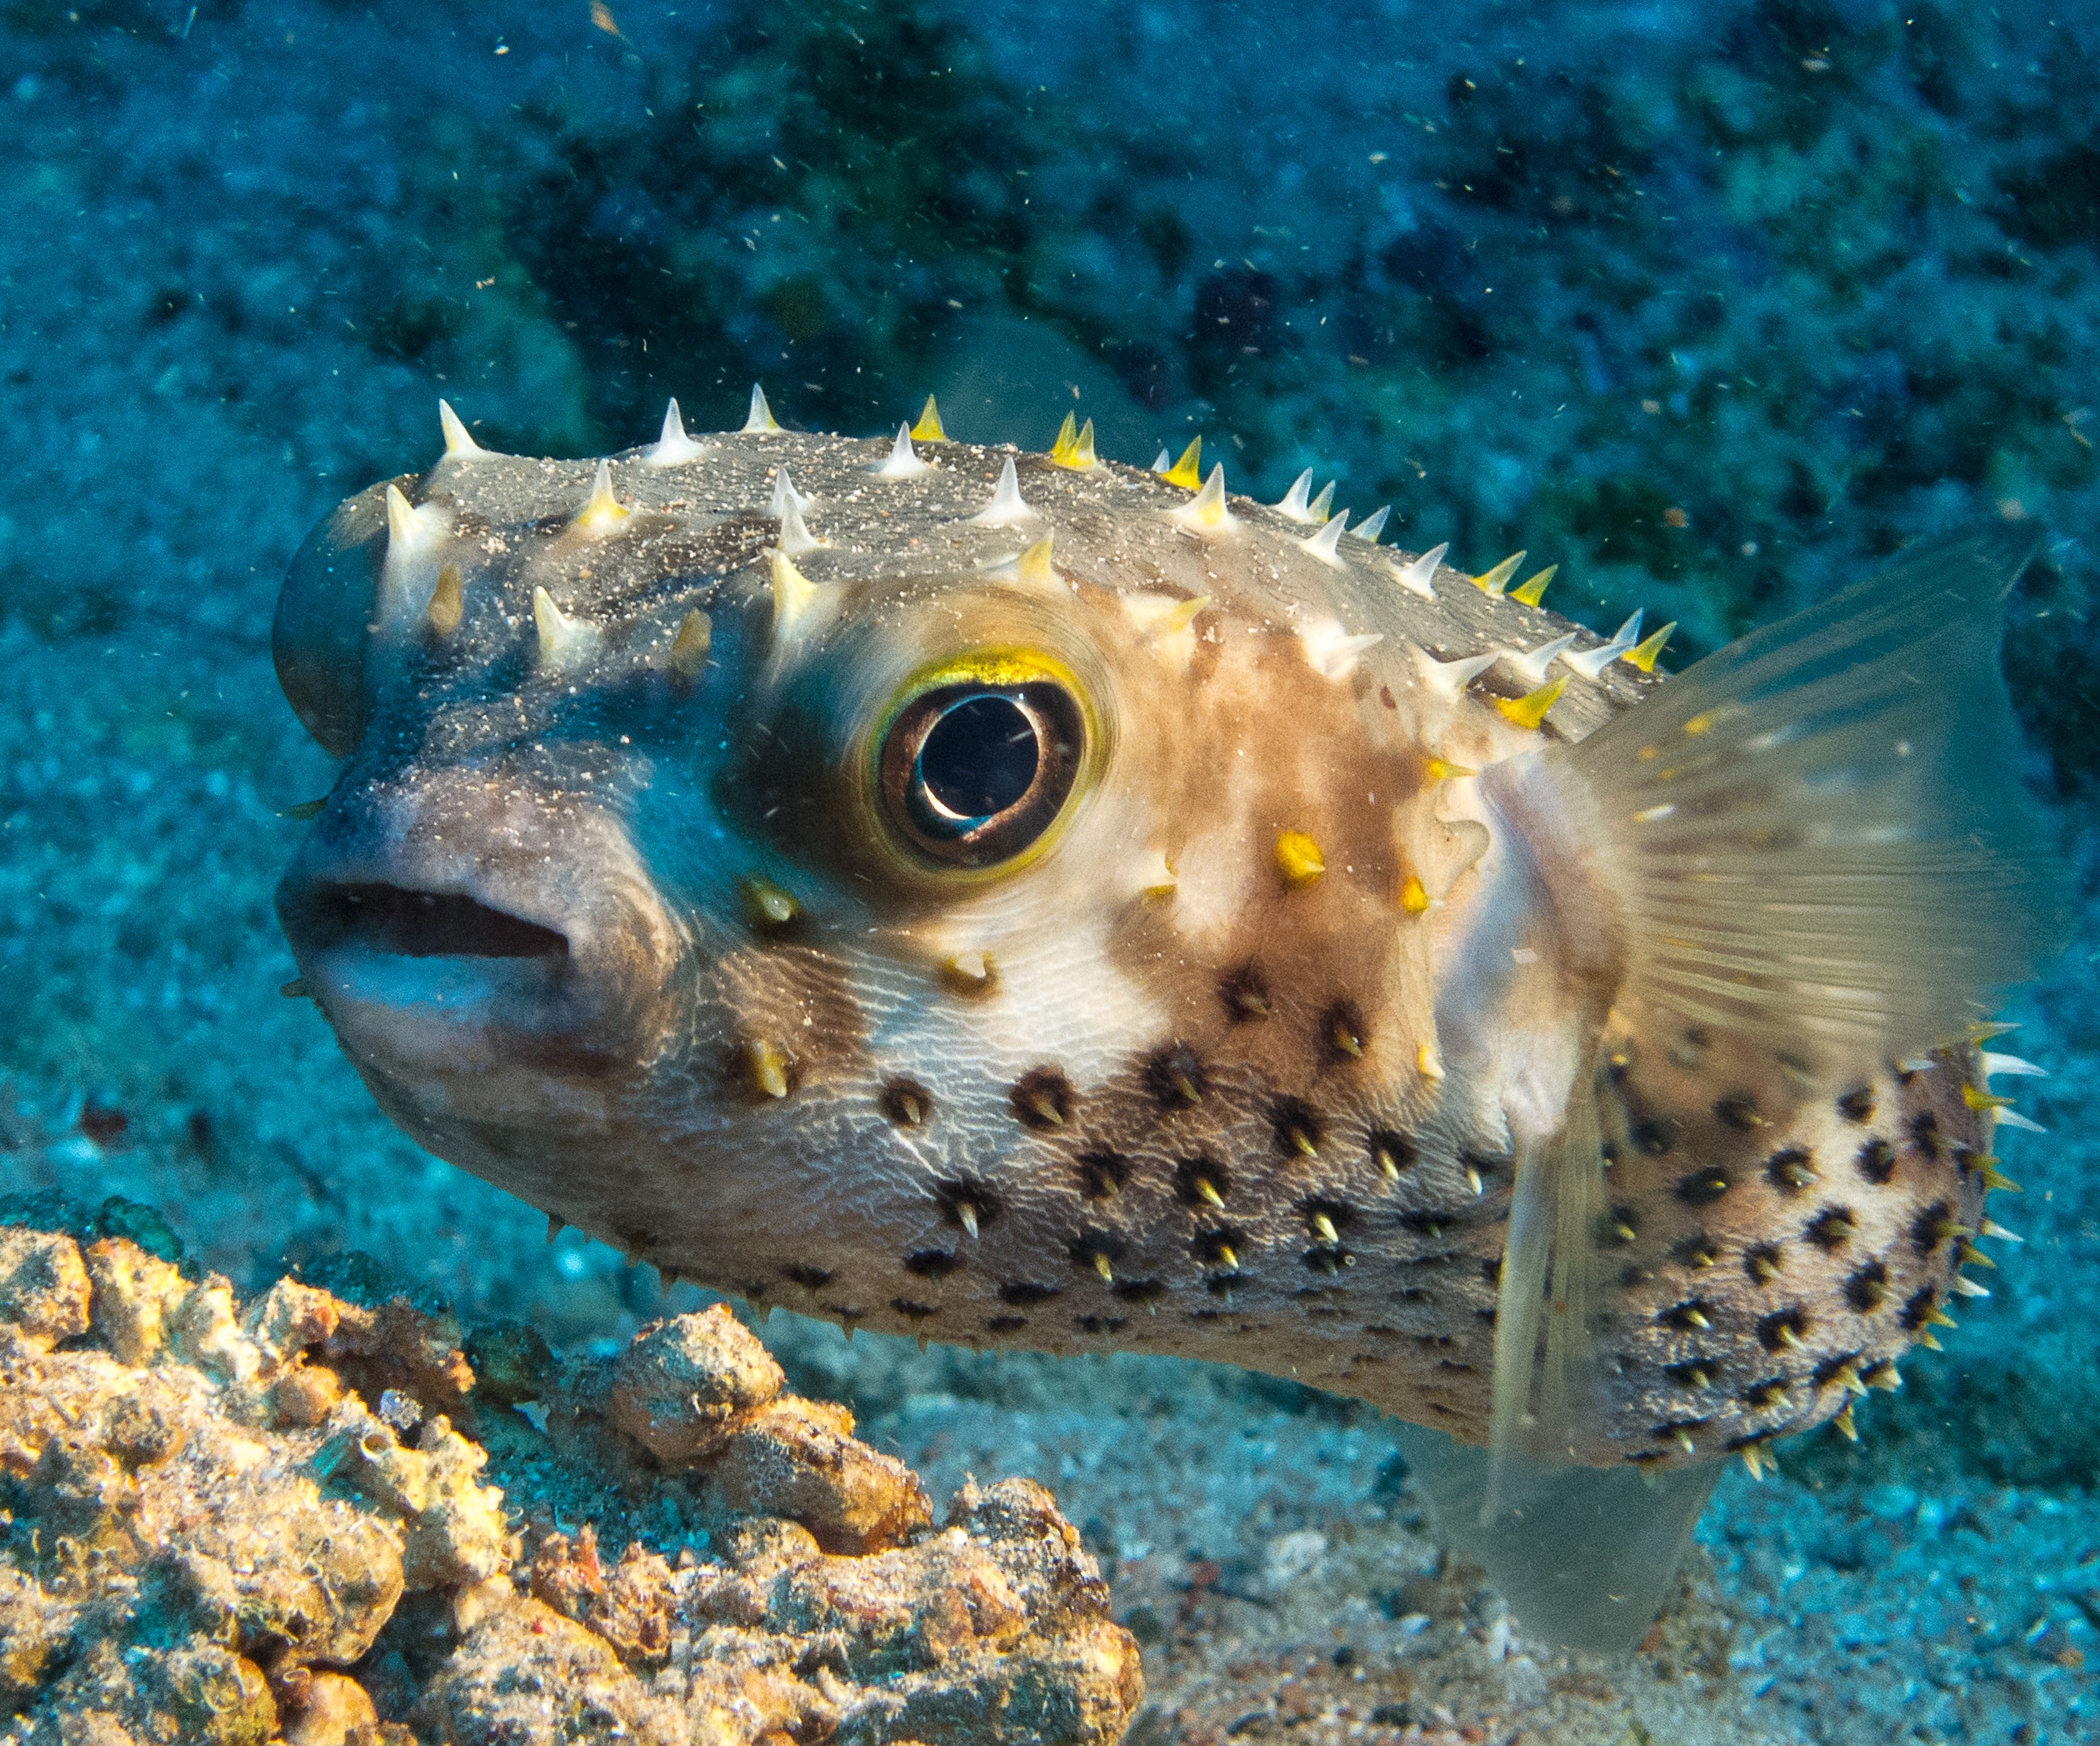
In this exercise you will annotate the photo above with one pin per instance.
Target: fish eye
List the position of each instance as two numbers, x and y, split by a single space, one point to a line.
979 763
320 636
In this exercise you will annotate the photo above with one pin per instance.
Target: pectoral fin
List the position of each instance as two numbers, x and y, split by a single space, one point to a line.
1818 836
1814 843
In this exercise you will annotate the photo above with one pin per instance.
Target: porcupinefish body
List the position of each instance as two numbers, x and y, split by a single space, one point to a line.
1025 901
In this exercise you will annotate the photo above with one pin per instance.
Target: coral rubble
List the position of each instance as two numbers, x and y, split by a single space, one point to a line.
227 1523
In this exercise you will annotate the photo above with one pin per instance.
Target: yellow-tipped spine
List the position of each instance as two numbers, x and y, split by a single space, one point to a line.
1074 448
929 429
448 603
1644 654
1207 511
1298 857
603 511
1494 581
1188 471
1534 591
688 656
1529 711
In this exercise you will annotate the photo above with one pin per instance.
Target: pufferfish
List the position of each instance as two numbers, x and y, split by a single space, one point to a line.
1028 901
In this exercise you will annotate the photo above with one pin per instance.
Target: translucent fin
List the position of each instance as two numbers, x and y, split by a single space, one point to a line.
1817 837
1814 842
1543 1309
1584 1555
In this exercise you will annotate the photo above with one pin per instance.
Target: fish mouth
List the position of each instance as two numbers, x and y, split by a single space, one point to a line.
470 982
399 921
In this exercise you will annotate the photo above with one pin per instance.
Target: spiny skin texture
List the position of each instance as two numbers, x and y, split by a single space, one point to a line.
1233 1063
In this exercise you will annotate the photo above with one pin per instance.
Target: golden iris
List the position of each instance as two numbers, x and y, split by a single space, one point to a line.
978 759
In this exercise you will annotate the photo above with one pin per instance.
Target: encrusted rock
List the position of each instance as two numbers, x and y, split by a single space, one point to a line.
135 1293
241 1525
43 1285
629 1606
799 1459
332 1710
678 1387
452 1527
529 1673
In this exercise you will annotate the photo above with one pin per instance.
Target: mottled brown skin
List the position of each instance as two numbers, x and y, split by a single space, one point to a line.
1222 1115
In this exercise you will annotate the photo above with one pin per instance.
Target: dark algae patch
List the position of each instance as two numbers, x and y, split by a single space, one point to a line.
820 189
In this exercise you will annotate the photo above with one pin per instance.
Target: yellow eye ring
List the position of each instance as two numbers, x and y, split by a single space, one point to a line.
976 762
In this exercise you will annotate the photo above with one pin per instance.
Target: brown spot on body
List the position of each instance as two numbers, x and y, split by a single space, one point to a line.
1202 1182
1875 1161
810 1279
1655 1135
1297 1128
971 1205
1841 1367
907 1103
1832 1228
1102 1175
1245 993
913 1309
1042 1099
1006 1325
1343 1035
1326 1218
1935 1225
1792 1170
1096 1249
1175 1077
1022 1294
1692 1316
1392 1152
1868 1289
1696 1252
1856 1106
1702 1188
1783 1329
1739 1111
933 1264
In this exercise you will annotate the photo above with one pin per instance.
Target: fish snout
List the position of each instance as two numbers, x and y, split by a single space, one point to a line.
459 931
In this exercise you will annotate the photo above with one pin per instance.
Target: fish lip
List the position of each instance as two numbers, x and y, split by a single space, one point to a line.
438 969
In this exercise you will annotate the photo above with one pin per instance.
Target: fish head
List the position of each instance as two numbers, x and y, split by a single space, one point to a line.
674 882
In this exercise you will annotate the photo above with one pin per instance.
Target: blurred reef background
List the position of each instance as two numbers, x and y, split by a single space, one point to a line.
1711 305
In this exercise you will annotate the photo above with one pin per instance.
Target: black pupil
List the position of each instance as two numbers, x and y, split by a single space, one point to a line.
980 757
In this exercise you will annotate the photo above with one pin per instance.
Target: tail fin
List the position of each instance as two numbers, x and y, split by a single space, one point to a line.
1814 841
1817 834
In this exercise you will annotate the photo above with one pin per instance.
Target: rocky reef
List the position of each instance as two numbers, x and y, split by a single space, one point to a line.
309 1520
